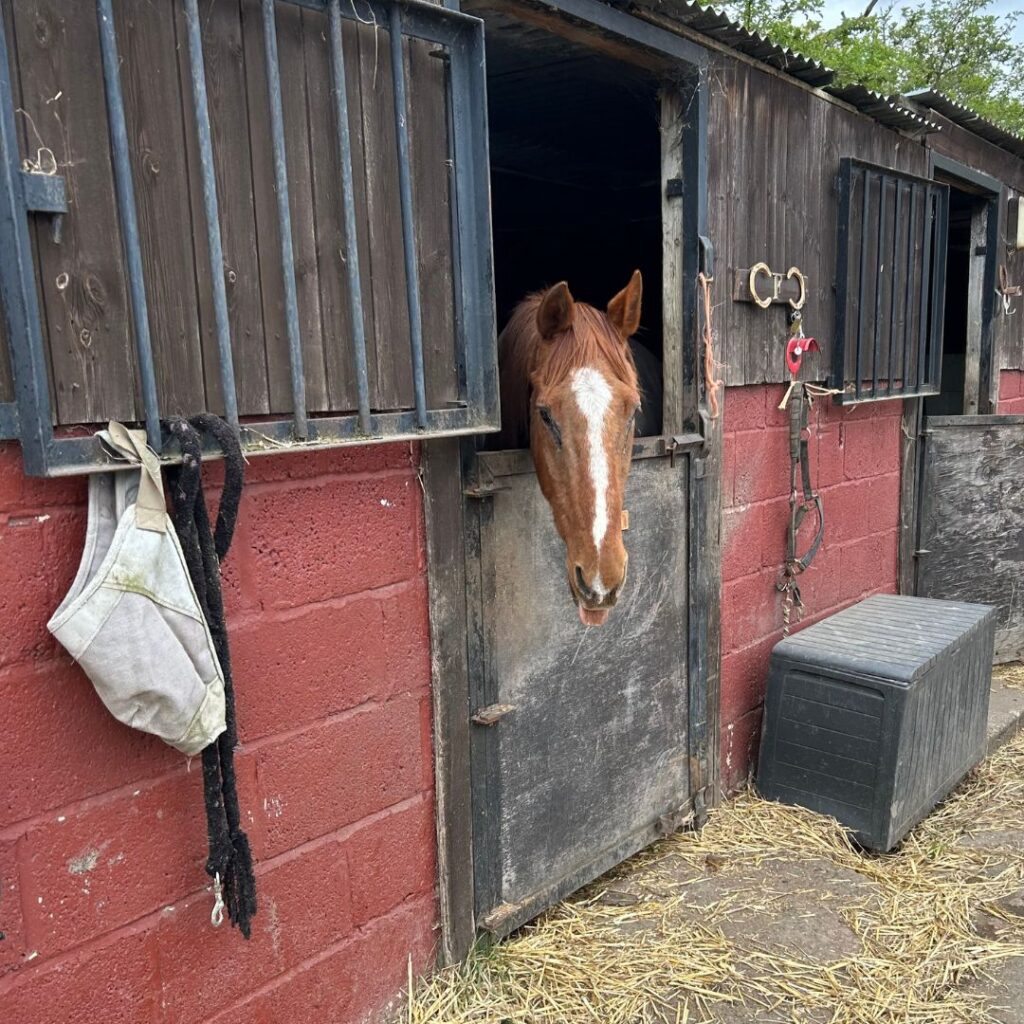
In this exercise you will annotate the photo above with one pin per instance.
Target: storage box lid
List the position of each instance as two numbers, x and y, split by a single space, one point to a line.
889 637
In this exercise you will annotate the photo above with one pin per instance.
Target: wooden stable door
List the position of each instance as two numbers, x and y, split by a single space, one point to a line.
589 750
562 750
971 535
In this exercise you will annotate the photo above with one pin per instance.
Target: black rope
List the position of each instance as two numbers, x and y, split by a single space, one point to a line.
230 858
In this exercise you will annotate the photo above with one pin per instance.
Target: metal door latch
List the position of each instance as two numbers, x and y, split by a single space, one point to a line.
492 714
45 193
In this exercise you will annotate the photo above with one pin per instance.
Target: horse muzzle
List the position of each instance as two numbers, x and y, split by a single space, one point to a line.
593 605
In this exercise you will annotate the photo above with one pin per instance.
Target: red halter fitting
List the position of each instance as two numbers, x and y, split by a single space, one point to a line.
795 349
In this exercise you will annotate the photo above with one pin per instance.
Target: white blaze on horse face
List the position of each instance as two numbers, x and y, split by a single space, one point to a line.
594 397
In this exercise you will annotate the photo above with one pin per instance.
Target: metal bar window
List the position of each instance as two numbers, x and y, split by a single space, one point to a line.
890 283
355 287
412 277
129 219
459 38
284 221
197 68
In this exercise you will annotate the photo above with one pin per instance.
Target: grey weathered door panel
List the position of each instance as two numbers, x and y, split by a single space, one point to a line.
971 540
577 776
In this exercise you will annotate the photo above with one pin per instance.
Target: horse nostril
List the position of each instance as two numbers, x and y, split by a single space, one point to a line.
581 585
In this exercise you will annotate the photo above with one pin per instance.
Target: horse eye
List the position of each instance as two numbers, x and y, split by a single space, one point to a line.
630 426
549 422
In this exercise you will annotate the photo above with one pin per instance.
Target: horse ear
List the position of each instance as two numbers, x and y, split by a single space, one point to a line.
556 311
624 309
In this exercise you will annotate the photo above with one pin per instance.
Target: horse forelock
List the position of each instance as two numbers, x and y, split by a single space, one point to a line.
590 341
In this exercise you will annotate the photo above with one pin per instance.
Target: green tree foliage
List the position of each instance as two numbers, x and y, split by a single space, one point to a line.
956 46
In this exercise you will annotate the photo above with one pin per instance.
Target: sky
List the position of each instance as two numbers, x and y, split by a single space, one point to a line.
833 9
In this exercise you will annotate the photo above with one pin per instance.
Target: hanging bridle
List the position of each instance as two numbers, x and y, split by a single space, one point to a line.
803 499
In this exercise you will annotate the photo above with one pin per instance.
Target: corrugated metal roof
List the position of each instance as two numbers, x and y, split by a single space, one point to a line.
889 110
718 26
966 118
722 29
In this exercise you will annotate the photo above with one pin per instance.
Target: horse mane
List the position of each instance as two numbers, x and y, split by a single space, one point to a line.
590 340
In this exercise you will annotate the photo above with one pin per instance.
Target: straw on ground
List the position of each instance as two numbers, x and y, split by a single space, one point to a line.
630 949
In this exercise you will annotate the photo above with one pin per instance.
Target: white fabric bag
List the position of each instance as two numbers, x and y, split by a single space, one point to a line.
131 618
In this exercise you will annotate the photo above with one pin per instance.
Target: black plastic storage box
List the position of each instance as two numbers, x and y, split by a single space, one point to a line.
874 714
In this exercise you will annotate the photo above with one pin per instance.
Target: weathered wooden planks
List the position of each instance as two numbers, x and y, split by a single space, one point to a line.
775 154
82 289
971 542
672 232
331 245
229 117
82 281
6 376
152 96
576 778
428 117
383 210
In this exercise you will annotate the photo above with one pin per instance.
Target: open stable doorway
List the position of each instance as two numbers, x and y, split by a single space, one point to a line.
584 742
969 523
575 153
962 323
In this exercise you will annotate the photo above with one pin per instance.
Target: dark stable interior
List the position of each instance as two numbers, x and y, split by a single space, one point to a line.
575 168
954 328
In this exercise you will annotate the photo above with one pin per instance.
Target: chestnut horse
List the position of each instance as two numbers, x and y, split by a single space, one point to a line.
569 386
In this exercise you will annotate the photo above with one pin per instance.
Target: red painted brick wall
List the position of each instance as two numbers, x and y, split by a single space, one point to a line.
102 836
1011 392
855 460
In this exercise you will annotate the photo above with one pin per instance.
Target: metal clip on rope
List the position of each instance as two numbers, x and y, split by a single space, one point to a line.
217 914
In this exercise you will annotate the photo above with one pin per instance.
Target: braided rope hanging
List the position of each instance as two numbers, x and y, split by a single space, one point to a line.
230 859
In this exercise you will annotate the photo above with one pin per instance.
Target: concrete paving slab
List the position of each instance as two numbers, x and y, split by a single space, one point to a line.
1005 713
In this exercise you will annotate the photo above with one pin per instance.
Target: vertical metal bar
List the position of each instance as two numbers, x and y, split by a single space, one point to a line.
20 301
412 281
839 348
475 280
284 220
939 284
907 340
125 189
879 268
890 380
927 283
863 278
349 202
214 247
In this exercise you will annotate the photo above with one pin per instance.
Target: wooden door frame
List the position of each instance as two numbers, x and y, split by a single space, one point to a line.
981 381
448 561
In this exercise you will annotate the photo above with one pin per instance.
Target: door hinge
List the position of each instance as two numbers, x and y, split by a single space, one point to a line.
674 188
921 551
483 488
492 714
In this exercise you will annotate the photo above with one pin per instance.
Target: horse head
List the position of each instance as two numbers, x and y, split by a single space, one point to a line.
583 403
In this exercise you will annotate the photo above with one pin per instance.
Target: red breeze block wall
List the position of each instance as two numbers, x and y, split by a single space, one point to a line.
103 905
1011 392
855 464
